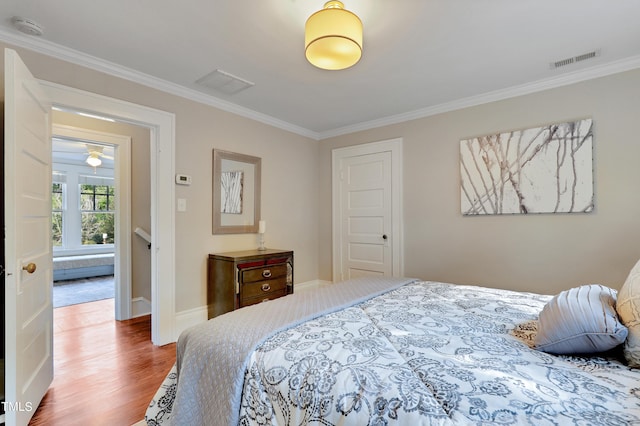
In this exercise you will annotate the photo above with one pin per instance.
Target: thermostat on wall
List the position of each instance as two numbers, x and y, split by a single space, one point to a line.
183 180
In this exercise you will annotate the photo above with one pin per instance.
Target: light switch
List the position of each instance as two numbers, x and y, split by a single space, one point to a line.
182 204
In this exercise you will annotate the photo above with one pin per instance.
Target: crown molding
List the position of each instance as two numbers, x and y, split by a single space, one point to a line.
566 79
97 64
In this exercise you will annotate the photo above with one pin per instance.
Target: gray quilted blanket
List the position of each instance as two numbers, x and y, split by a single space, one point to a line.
212 357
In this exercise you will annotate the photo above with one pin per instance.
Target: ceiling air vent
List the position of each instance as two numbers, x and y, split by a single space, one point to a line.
575 59
224 82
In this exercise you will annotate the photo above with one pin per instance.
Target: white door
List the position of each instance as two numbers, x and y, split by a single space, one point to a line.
28 289
367 219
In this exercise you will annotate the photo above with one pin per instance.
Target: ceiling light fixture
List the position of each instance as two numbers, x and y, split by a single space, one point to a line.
84 114
93 159
333 37
99 117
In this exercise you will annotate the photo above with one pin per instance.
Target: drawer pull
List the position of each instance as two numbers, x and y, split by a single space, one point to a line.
266 287
266 273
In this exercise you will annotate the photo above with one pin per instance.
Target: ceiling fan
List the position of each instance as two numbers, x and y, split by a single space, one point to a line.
95 155
75 151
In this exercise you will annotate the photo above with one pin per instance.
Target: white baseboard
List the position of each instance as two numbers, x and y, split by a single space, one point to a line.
311 284
140 307
190 317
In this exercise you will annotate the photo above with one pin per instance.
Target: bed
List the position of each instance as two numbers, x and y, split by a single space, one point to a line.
390 352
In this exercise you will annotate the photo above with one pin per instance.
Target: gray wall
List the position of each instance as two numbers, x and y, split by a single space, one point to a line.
540 253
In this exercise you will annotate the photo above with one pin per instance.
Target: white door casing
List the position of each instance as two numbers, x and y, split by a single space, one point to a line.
367 210
28 292
122 178
162 137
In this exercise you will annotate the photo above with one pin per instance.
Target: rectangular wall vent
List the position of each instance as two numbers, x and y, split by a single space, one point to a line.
575 59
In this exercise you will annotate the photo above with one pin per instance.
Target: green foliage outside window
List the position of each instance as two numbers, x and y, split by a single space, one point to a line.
97 214
56 214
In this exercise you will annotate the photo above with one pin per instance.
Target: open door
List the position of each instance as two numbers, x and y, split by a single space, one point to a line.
28 288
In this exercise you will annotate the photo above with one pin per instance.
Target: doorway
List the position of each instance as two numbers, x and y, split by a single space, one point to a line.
161 126
86 201
84 215
76 140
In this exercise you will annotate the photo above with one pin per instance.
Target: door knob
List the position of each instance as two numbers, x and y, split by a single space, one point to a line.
384 236
30 267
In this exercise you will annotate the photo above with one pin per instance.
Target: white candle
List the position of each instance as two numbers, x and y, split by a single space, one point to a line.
262 227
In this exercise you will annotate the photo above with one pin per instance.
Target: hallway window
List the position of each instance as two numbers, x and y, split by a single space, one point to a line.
82 211
97 213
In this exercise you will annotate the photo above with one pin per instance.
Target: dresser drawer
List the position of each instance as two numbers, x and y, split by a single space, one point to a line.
266 272
264 297
262 288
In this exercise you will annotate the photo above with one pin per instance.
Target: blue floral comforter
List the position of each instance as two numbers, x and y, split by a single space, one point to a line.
432 354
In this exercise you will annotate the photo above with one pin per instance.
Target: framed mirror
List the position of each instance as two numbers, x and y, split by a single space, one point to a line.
236 193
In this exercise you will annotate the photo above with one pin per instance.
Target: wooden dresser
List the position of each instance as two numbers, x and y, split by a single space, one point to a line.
243 278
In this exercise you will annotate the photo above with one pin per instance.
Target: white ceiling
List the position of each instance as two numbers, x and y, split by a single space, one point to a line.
420 56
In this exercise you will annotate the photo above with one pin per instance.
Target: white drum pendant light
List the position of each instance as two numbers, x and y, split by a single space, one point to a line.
333 37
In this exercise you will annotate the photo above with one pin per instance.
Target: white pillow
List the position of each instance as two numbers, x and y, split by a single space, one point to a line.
579 321
628 308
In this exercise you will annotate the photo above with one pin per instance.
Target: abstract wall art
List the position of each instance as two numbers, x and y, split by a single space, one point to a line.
546 169
231 192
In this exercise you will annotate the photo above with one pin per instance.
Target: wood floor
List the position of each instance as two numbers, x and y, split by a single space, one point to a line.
105 371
